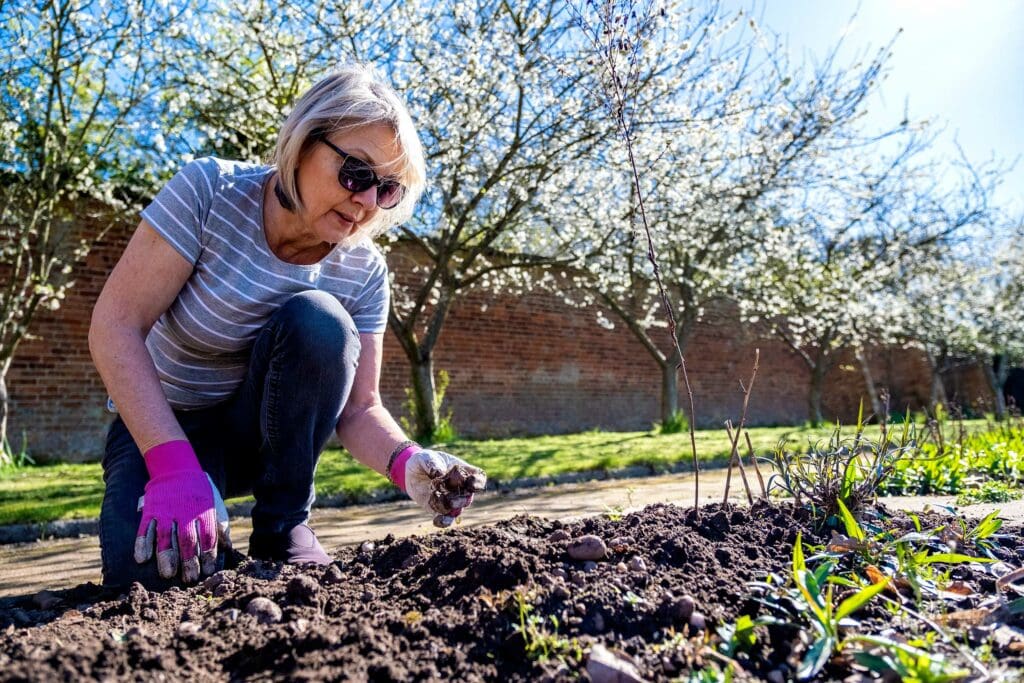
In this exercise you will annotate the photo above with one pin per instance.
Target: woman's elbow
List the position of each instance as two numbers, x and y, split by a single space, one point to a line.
97 330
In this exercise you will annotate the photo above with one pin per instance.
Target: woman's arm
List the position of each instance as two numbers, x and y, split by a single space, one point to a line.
141 287
366 429
437 481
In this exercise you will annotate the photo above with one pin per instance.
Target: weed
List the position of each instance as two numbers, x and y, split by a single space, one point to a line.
711 674
614 513
990 491
11 459
889 658
813 598
445 431
983 533
740 637
677 423
990 464
540 642
845 469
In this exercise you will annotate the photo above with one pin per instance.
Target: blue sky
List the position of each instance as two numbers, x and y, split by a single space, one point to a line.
957 62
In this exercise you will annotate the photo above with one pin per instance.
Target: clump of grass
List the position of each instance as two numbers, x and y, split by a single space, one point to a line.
989 492
542 641
11 459
677 423
844 470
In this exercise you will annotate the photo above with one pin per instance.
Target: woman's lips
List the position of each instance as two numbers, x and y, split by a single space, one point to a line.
347 221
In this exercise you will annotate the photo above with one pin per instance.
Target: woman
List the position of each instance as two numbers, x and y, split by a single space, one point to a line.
243 324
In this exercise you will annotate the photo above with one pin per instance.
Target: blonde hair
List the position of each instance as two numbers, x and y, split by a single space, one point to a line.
351 97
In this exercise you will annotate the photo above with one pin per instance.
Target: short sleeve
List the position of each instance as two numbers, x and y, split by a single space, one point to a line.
371 310
179 210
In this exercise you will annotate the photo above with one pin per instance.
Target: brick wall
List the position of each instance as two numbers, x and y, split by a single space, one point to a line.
525 365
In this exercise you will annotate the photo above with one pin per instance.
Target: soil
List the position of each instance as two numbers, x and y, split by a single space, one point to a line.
447 606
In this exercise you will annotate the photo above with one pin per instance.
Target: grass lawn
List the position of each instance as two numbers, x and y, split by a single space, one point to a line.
54 492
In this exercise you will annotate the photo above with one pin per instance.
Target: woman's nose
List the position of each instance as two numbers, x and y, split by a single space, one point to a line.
367 198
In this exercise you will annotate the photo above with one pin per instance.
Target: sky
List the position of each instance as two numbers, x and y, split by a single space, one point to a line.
959 63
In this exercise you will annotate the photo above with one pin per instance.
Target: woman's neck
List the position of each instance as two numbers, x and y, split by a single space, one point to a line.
286 234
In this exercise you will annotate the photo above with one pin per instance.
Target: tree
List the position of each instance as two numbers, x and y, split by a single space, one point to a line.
502 125
71 76
727 131
932 308
496 91
999 312
839 248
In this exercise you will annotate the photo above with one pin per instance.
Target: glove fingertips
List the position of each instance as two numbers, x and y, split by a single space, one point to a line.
167 560
477 481
190 570
462 501
208 528
145 540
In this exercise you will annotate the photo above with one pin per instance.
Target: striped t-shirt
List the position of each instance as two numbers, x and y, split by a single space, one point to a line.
211 212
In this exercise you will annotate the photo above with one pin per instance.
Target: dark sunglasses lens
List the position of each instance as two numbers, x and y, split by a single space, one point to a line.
389 194
356 175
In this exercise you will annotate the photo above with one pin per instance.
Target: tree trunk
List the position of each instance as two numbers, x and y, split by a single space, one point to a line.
938 388
869 385
425 397
669 391
814 394
5 455
995 373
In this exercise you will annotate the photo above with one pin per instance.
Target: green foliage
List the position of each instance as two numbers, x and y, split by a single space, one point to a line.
982 534
985 466
816 591
677 423
853 528
540 641
11 459
990 491
740 636
847 470
712 674
445 432
891 659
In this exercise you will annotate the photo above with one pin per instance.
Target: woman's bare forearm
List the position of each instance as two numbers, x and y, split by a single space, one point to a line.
370 434
129 375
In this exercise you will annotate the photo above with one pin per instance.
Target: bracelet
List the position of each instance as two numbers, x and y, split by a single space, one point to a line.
394 454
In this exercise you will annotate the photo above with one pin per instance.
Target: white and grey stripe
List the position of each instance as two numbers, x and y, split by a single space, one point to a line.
212 214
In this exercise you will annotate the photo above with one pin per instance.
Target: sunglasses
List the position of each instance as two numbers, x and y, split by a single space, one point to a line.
355 175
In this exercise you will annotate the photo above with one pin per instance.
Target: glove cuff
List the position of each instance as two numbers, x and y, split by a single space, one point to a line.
396 463
171 457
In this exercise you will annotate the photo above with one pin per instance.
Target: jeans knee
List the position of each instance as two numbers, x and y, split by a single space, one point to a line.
316 324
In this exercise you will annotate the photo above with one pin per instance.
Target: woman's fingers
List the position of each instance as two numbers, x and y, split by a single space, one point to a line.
145 541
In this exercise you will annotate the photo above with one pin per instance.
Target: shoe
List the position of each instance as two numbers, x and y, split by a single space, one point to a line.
297 546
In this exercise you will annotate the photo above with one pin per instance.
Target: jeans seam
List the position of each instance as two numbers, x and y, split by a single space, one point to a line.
271 403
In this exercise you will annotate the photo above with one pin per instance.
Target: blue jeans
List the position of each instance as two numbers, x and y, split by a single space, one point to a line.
266 439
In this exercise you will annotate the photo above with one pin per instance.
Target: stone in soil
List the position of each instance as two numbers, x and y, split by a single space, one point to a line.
587 547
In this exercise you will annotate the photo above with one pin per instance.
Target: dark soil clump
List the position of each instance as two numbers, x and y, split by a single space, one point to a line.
503 602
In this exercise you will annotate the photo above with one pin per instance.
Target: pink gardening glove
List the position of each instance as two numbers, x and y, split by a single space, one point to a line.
183 512
438 481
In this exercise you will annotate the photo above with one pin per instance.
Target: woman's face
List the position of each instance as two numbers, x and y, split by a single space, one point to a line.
332 213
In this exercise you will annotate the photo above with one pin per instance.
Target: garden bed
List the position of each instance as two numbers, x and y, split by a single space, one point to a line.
509 602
